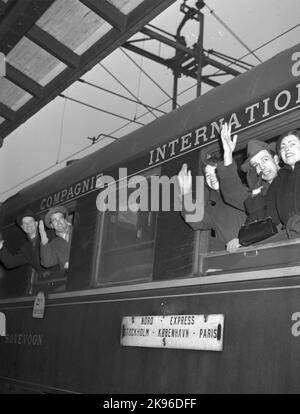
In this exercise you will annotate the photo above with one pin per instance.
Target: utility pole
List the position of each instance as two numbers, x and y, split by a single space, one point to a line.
200 5
188 61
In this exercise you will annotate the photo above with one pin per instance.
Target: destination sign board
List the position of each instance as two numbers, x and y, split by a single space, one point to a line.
199 332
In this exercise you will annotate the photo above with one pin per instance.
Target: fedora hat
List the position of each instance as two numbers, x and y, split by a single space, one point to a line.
208 157
253 148
25 213
53 210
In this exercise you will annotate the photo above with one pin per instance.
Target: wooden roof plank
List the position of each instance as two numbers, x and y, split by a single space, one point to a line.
108 12
47 42
23 81
104 46
18 18
2 8
6 112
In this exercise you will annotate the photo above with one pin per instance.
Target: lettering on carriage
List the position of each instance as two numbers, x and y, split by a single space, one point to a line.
257 112
24 339
296 65
71 192
295 329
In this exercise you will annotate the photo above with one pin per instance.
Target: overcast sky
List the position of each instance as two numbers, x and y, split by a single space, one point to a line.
61 129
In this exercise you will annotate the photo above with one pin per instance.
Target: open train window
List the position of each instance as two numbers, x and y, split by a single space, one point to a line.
15 278
275 251
127 247
52 279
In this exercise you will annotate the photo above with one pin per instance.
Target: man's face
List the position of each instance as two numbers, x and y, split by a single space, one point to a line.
290 150
29 226
211 177
264 162
59 223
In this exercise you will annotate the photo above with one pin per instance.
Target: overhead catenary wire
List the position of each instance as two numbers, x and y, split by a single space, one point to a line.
272 40
121 96
145 73
237 62
100 109
161 30
125 87
141 116
232 32
139 82
78 152
262 45
61 131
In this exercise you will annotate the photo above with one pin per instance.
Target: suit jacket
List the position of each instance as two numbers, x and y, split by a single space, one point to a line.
239 196
27 255
56 252
284 194
219 216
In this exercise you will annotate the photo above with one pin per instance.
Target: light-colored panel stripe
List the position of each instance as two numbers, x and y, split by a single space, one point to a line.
35 385
246 276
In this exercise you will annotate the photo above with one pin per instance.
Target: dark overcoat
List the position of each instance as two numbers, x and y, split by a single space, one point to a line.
284 194
224 219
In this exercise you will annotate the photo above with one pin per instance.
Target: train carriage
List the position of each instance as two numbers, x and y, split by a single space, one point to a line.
132 313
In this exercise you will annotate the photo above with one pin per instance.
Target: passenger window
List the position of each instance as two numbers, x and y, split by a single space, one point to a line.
52 279
14 282
127 251
274 251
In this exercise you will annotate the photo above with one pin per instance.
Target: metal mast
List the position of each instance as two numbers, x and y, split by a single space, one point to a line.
187 61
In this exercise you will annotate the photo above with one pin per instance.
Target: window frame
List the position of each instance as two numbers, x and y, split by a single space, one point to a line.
269 132
100 240
49 283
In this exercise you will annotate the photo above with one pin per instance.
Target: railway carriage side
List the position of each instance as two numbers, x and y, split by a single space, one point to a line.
131 263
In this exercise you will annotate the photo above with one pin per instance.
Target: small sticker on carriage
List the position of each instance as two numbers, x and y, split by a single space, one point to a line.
39 306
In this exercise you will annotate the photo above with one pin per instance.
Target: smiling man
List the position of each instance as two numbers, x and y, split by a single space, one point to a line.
261 166
29 251
56 251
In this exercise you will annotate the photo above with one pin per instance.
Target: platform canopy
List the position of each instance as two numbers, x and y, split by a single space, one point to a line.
49 44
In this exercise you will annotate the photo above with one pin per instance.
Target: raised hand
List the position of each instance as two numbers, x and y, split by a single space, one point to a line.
43 234
1 244
228 143
233 245
185 180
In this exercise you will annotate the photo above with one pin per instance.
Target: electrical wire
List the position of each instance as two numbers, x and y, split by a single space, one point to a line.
263 45
120 96
145 73
139 82
61 131
232 32
125 87
142 115
161 30
100 109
